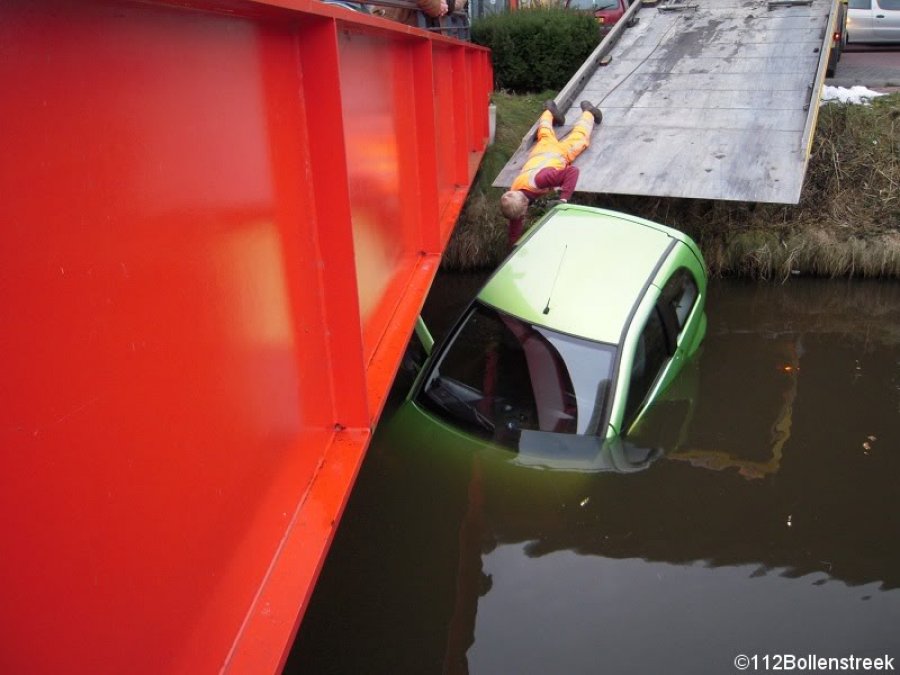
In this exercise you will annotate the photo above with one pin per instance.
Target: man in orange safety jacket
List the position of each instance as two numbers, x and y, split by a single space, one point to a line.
549 164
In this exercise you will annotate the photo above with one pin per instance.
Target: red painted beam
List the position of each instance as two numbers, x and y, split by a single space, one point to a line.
211 258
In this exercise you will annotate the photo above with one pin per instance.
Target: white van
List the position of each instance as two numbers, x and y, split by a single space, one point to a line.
873 21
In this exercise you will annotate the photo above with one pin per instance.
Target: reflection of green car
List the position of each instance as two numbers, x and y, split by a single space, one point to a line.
582 327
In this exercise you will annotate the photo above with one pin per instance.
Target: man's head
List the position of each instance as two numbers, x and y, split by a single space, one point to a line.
513 204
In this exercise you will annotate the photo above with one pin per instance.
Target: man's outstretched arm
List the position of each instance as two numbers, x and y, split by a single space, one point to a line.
564 179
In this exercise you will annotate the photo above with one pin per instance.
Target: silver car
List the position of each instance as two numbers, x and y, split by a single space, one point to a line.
873 21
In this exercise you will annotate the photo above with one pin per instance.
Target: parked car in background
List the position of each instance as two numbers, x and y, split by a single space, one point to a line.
587 322
606 12
876 21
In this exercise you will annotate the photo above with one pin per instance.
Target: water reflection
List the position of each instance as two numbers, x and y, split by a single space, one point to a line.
754 394
635 616
768 523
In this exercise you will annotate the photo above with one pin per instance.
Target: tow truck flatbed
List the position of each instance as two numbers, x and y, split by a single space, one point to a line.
712 99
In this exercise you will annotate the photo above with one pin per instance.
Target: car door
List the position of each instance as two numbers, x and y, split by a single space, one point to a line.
886 20
672 326
652 356
859 21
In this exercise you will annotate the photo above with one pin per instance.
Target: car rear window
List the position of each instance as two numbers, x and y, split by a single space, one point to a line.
594 4
499 376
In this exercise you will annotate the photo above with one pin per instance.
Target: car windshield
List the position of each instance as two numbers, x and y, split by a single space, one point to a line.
499 376
594 4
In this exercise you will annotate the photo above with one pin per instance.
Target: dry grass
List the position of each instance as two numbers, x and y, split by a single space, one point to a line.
846 224
480 240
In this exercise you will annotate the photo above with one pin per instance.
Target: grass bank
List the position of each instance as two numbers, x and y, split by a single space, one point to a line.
846 224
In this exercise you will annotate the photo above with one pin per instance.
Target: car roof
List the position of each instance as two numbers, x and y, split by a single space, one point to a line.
580 271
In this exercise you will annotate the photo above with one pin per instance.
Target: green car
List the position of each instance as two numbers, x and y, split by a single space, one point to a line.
587 322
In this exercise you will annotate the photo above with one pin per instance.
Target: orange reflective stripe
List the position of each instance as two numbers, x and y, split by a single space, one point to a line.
525 181
540 160
548 158
545 160
579 138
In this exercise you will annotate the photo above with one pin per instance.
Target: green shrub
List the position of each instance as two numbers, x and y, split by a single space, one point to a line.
536 49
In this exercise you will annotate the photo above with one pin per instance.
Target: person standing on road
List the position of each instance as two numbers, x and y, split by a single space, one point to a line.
549 164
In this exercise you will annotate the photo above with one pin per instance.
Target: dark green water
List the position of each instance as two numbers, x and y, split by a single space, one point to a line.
771 525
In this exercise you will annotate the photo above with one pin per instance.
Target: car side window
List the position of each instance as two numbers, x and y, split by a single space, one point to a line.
892 5
650 356
860 4
680 295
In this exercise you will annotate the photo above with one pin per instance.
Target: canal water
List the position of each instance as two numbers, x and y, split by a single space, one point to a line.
768 526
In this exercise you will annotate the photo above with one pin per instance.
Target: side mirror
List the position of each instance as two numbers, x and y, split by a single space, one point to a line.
418 350
424 335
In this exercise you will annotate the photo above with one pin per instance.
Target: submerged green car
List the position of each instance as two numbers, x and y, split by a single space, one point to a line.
572 339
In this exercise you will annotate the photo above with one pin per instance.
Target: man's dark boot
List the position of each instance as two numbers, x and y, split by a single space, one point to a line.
587 106
558 118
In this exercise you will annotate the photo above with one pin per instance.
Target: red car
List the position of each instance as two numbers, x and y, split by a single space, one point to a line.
607 12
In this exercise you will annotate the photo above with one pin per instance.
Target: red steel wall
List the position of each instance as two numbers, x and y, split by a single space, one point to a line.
219 221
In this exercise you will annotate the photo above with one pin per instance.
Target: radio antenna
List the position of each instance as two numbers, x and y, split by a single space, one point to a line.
553 287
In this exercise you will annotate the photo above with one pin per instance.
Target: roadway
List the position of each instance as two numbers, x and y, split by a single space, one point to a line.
873 66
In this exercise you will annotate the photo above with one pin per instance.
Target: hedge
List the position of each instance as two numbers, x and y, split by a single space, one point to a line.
536 49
